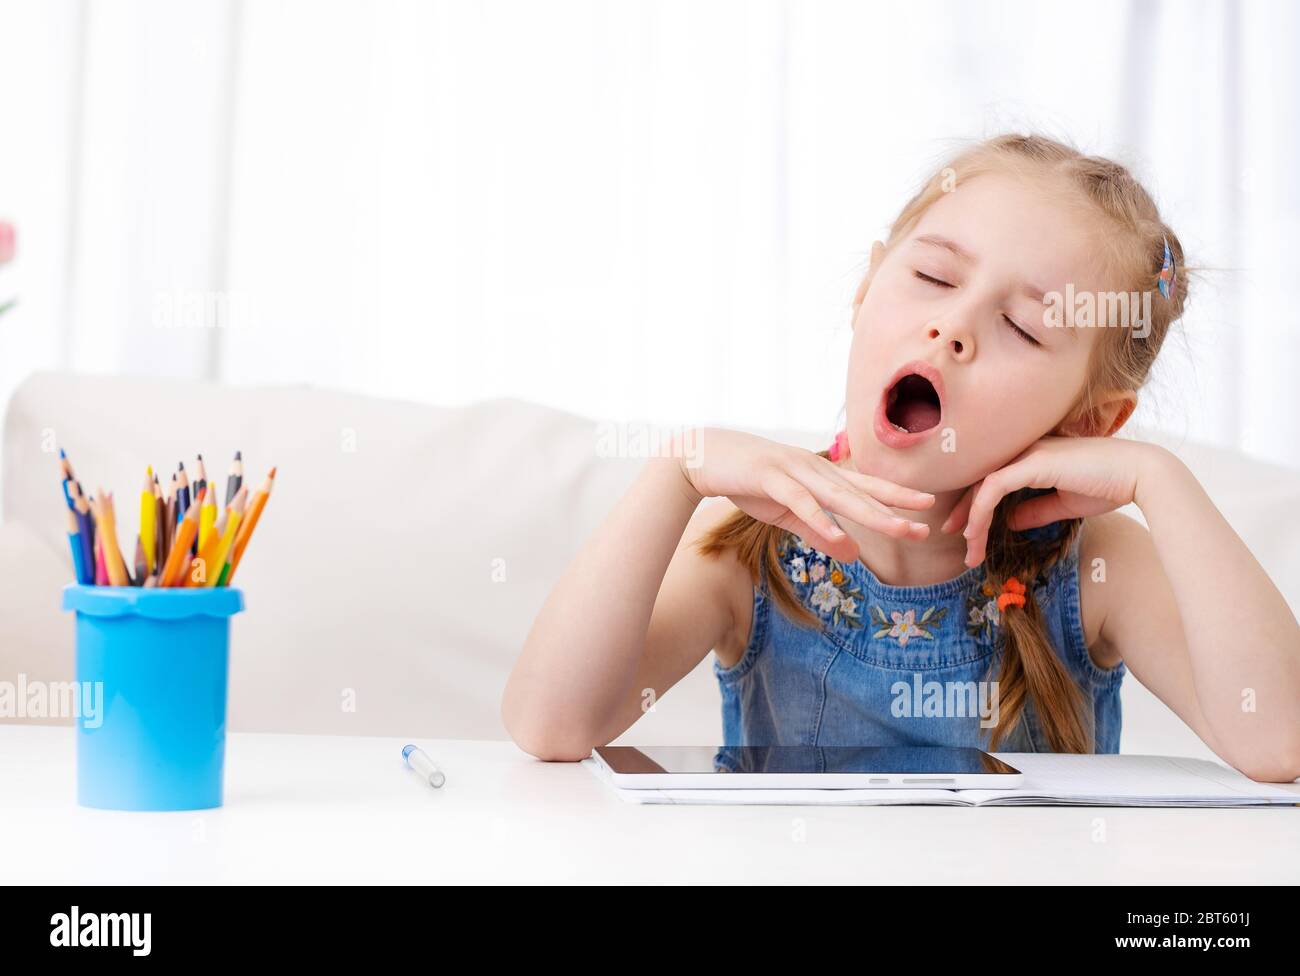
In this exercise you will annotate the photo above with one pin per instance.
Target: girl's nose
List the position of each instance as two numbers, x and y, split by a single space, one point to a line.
960 342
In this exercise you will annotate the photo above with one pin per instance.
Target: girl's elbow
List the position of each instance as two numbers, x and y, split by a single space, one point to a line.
551 748
1282 766
545 740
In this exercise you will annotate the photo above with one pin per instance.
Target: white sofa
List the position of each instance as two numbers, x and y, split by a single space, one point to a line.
407 548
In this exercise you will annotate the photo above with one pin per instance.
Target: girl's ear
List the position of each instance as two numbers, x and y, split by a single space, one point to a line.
1124 408
1106 417
877 255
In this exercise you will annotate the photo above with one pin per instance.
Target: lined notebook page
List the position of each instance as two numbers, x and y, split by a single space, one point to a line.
1136 780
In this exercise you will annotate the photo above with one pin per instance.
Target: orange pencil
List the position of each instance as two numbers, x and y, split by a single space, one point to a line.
208 553
179 555
107 528
249 524
196 559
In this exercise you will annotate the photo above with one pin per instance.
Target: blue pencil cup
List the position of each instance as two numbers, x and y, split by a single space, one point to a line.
157 662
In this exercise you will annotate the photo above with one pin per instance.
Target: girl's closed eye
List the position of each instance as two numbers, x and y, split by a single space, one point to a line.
1021 332
930 279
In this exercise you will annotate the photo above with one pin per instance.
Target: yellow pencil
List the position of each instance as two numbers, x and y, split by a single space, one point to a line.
236 515
208 552
148 519
207 520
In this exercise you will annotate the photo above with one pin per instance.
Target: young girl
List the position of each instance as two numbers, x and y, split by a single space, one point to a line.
952 571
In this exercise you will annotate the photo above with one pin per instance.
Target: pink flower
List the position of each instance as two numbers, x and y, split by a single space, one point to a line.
904 626
6 242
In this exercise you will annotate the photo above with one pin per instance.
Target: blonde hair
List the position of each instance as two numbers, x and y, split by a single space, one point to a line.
1133 240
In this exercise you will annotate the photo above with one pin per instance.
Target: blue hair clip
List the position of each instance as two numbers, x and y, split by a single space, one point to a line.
1166 279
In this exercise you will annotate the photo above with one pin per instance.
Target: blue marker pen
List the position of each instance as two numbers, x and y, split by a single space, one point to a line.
422 764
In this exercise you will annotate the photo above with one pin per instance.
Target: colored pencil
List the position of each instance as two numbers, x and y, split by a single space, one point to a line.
148 521
246 529
235 479
169 514
208 554
101 574
85 530
65 467
197 572
74 542
160 523
200 476
218 564
106 528
182 491
141 564
178 555
207 520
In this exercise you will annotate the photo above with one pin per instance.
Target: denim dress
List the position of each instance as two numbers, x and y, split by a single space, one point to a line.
899 665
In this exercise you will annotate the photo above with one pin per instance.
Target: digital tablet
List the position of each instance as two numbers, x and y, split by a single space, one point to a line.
805 767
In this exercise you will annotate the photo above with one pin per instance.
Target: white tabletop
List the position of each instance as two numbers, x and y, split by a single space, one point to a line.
335 809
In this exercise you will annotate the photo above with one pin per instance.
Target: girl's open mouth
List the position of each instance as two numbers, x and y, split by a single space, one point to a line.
912 404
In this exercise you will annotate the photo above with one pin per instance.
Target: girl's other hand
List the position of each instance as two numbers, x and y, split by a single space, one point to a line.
794 489
1091 475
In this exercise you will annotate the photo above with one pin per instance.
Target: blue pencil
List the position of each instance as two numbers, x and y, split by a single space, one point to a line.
85 531
74 542
182 492
66 468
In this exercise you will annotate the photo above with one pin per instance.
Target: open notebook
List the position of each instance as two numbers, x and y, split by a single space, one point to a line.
1051 779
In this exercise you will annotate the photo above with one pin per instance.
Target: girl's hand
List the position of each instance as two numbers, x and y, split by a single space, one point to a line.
1091 475
789 487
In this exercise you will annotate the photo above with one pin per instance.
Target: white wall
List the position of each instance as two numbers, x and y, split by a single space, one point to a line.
628 209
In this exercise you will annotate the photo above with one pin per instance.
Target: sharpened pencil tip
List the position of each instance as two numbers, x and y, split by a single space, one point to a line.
239 455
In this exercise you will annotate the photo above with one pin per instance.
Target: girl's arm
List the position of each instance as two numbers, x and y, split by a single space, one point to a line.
639 607
584 649
1195 607
1185 605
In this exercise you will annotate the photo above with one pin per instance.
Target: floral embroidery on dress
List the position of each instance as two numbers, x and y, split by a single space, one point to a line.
982 614
902 625
832 593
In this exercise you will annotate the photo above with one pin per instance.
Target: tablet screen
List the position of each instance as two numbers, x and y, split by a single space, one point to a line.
802 759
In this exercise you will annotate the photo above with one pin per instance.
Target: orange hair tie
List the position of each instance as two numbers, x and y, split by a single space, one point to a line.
1013 594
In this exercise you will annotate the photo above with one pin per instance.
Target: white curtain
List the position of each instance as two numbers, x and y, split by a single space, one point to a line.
632 210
